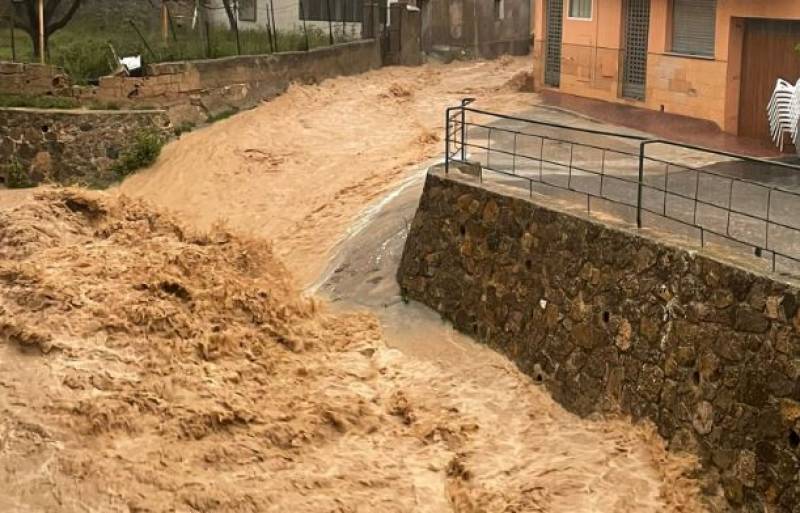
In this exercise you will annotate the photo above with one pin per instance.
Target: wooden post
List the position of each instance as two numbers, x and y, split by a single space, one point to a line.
164 22
274 25
305 29
236 28
208 36
13 37
330 22
270 39
42 50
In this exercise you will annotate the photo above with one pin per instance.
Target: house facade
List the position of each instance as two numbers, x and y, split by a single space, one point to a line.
484 28
345 15
711 59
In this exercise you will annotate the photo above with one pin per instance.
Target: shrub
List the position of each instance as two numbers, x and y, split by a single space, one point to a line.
16 177
185 127
144 151
83 58
222 115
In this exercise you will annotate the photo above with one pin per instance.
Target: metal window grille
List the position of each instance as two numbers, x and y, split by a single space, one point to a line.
552 69
637 29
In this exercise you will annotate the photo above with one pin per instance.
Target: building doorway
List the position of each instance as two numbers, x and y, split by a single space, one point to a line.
634 59
767 55
552 59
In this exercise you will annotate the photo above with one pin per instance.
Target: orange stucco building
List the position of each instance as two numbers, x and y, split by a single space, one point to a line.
711 59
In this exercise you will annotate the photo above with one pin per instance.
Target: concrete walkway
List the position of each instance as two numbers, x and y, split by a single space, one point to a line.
663 125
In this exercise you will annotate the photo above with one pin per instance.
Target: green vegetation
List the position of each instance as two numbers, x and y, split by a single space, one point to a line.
222 115
144 151
58 102
38 102
185 127
16 177
82 47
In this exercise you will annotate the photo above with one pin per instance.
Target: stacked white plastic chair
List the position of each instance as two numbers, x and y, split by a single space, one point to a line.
784 113
795 116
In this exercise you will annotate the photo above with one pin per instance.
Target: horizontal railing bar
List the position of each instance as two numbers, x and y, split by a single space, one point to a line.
651 159
557 125
457 124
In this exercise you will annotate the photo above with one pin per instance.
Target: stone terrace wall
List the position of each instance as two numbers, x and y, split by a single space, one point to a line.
33 79
194 90
610 320
70 146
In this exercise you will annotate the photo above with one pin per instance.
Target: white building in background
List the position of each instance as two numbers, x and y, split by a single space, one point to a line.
254 14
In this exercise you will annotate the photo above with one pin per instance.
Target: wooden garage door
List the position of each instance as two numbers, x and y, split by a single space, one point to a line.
768 55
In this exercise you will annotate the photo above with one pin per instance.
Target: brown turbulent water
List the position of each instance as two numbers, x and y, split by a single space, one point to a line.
153 362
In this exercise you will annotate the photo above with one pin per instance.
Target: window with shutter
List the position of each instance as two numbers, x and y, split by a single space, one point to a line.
340 10
694 27
247 10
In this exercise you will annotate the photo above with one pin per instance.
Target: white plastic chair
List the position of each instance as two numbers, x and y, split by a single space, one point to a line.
781 111
794 114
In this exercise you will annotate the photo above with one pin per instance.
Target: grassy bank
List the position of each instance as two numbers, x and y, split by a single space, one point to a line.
83 50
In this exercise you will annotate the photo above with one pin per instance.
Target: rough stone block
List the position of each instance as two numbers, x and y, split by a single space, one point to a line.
708 351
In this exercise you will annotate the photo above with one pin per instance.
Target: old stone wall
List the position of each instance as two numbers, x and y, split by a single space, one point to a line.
196 90
70 146
33 79
612 320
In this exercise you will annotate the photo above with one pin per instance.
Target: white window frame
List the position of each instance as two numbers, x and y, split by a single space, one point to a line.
501 15
579 18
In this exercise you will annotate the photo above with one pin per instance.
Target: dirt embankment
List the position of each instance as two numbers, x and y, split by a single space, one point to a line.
147 367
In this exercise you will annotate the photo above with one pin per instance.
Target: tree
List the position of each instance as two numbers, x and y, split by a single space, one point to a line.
231 12
57 13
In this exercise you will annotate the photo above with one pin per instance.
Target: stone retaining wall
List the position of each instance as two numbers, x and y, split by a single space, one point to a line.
70 146
33 79
611 320
192 91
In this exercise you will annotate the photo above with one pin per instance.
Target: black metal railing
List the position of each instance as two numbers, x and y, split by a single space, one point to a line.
680 189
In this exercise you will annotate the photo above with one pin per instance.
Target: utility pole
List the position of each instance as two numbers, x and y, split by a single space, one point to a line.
42 50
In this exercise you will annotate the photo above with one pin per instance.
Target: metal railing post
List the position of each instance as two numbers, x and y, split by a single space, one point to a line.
447 141
641 185
464 103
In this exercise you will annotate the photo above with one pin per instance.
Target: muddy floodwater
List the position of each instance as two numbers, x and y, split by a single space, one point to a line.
232 339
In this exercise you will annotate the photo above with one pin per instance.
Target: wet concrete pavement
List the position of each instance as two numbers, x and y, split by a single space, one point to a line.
742 208
663 125
362 275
